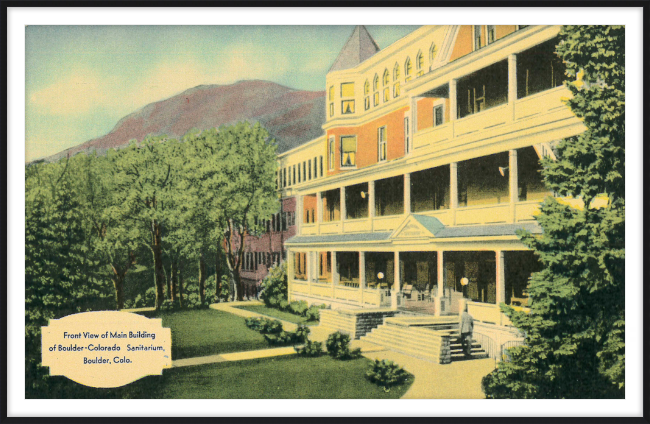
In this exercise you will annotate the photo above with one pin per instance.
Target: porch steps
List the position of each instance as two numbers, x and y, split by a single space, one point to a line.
334 321
430 338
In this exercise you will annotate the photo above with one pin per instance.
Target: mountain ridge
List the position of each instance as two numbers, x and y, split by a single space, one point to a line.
291 116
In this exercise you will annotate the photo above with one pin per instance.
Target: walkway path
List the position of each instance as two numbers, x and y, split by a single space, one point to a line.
458 380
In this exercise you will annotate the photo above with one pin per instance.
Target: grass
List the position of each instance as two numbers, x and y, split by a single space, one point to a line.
287 377
205 332
276 313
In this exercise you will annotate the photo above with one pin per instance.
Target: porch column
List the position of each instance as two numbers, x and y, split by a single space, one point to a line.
441 283
501 281
319 210
512 83
290 272
514 184
310 266
362 275
453 190
299 208
407 193
371 203
342 202
335 274
453 106
396 285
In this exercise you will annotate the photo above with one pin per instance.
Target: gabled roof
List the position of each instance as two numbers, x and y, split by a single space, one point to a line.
359 47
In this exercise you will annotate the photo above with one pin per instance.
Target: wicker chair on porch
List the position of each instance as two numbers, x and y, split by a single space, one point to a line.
425 295
407 291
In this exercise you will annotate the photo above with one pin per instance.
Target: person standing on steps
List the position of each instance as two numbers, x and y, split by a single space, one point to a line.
466 330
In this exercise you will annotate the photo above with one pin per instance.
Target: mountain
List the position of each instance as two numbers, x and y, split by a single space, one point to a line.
291 116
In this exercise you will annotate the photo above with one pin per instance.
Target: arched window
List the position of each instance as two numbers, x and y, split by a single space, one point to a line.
432 52
408 68
419 64
375 89
396 72
386 81
366 95
396 90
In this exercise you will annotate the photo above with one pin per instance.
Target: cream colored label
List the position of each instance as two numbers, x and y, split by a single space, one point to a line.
106 348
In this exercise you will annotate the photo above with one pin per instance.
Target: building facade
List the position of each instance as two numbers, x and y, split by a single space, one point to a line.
429 165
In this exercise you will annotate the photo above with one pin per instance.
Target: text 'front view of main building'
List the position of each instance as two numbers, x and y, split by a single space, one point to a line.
406 210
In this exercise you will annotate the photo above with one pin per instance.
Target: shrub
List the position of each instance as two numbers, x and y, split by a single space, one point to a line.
284 305
274 286
168 305
310 349
264 325
313 312
338 347
386 373
298 307
286 337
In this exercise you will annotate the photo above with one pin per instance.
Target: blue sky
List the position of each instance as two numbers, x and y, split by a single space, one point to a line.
80 80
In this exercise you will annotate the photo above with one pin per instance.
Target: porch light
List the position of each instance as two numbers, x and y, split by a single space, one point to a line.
464 281
380 275
363 194
502 170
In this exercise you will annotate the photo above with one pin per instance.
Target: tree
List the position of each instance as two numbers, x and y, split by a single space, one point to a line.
575 330
144 176
61 274
244 188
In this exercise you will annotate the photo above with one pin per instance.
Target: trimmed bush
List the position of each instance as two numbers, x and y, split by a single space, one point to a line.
386 373
274 286
298 307
338 347
310 349
313 312
264 325
287 337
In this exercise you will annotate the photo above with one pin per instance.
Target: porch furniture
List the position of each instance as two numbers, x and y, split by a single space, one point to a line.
408 290
425 295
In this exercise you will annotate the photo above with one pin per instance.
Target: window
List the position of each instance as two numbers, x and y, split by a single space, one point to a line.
419 64
438 115
347 107
309 174
407 135
304 171
294 175
284 177
396 72
299 174
381 144
375 89
396 89
366 94
408 69
477 37
331 153
432 53
347 89
315 168
386 94
348 150
386 78
331 94
491 33
331 109
321 166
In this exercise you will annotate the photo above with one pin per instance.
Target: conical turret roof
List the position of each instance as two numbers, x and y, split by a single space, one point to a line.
359 47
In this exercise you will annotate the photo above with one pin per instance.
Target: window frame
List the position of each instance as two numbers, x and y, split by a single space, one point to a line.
332 155
439 105
352 109
354 165
487 34
407 135
382 143
480 37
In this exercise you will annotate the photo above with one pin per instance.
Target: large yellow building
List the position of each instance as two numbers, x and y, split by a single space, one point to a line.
407 209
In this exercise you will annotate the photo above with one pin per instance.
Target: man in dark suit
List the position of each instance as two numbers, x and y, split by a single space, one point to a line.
466 330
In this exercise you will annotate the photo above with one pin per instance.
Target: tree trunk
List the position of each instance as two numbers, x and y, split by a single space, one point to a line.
180 288
201 280
233 287
118 284
168 292
217 272
174 281
158 265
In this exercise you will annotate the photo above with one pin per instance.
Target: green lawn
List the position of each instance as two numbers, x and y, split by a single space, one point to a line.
286 377
208 332
276 313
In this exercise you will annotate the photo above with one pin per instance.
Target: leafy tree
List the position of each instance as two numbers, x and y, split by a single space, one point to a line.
243 190
144 175
575 331
61 274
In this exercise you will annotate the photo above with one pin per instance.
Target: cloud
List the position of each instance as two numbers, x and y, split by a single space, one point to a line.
73 95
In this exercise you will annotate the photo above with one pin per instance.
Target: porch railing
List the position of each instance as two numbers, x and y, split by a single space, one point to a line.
505 355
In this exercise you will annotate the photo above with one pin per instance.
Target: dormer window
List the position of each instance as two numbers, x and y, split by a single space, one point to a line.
432 53
419 64
396 88
386 80
408 69
375 89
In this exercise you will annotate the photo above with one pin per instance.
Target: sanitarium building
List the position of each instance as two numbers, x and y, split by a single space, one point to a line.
408 207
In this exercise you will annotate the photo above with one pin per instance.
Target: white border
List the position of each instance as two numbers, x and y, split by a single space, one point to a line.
19 17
